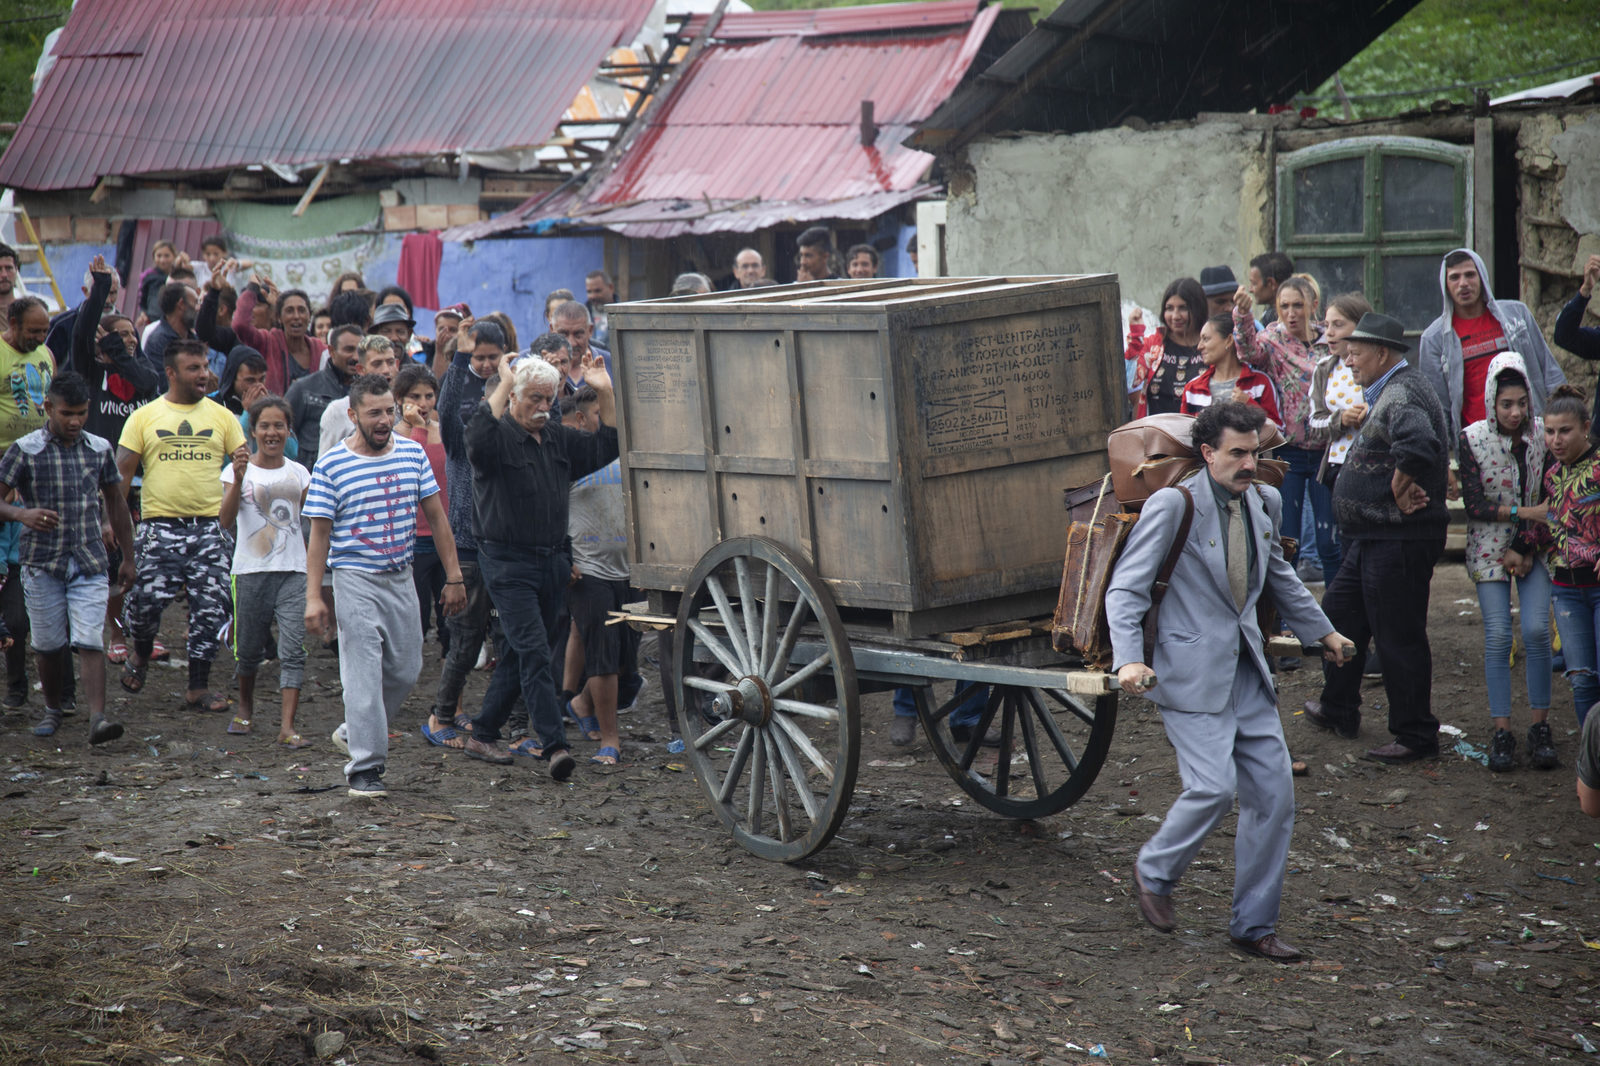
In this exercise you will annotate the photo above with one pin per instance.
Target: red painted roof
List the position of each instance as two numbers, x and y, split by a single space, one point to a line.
767 126
148 86
836 21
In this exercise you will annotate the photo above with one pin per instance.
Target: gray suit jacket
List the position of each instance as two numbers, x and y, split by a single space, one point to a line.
1201 633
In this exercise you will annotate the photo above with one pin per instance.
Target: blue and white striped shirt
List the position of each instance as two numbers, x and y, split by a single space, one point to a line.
372 501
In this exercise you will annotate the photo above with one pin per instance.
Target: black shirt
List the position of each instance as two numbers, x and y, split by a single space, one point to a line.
520 485
1179 365
117 387
308 398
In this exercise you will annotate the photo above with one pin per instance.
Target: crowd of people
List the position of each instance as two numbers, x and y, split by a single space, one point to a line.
312 471
1379 433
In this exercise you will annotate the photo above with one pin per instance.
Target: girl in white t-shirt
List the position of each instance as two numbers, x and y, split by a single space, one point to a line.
261 501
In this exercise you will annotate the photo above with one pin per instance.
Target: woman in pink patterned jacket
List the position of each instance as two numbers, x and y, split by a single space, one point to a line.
1288 351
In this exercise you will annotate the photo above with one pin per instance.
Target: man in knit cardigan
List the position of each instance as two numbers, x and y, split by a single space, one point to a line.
1389 502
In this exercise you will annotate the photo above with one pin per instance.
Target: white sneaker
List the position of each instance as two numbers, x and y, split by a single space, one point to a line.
341 738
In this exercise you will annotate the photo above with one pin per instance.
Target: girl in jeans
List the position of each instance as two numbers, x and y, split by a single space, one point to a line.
1572 491
1502 460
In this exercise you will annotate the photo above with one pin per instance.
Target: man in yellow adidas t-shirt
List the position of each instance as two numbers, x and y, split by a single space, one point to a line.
183 439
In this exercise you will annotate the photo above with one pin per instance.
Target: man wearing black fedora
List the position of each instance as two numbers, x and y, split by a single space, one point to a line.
1219 285
1389 502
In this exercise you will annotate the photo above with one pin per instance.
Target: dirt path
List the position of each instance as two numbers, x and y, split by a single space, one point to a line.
489 915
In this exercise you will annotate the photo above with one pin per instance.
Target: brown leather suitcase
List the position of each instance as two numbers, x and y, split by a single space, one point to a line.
1080 619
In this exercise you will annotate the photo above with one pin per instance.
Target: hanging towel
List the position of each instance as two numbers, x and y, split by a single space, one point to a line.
420 255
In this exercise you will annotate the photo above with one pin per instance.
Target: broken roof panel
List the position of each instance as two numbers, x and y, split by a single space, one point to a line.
769 116
304 82
1092 64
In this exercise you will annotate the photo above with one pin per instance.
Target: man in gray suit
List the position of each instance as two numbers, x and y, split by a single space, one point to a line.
1210 677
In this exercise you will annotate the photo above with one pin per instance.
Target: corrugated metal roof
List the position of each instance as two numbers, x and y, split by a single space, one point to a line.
1093 64
835 21
304 82
766 129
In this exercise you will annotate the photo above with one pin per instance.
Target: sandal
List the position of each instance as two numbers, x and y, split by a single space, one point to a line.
47 726
133 677
208 703
528 748
294 741
159 653
118 653
239 727
606 756
588 724
462 722
444 737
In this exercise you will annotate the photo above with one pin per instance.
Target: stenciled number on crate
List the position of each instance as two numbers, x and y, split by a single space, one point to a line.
997 382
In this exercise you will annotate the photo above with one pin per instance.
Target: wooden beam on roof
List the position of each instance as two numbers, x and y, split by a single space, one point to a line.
312 190
600 171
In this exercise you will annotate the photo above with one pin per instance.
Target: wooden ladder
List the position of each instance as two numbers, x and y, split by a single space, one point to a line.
25 227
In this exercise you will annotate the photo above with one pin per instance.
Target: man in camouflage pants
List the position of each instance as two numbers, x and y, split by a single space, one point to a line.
183 439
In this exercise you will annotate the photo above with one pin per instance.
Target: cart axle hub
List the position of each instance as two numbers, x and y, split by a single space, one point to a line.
750 700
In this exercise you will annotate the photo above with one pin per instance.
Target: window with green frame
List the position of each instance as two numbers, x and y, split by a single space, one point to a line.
1377 214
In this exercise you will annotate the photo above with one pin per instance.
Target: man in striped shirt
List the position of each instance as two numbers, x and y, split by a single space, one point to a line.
363 504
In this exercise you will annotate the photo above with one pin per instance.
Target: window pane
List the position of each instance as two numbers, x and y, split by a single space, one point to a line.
1328 197
1410 288
1335 276
1418 194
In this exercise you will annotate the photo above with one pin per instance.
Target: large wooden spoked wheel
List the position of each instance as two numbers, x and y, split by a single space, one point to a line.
773 740
1051 745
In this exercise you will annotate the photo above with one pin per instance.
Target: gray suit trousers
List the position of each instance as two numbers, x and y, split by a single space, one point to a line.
1241 751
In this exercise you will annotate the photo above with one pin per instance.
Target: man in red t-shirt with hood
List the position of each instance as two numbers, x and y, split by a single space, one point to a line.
1455 349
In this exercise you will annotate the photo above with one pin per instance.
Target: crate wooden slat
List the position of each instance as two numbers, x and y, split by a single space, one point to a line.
910 437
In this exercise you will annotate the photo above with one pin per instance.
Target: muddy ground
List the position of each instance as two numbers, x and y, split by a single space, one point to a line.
489 915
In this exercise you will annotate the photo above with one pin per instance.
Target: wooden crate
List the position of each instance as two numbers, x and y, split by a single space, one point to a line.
911 437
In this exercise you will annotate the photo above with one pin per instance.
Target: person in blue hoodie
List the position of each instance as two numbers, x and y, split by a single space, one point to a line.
1456 349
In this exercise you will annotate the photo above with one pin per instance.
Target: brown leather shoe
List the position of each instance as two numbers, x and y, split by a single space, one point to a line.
1155 909
477 749
1268 947
1396 753
1314 715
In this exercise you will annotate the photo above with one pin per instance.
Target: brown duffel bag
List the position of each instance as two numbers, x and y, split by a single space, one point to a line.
1150 453
1157 451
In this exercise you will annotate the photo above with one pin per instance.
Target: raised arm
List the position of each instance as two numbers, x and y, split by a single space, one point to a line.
244 320
86 330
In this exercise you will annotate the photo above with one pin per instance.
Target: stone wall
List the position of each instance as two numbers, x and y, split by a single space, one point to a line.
1558 162
1149 206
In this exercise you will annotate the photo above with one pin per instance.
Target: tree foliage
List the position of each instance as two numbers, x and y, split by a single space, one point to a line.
1443 49
24 25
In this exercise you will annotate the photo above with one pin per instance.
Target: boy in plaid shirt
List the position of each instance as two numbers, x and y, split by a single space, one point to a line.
60 474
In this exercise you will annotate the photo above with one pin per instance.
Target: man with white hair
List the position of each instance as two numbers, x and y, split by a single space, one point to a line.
523 464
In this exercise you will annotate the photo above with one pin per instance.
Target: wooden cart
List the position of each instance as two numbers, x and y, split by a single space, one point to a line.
852 486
